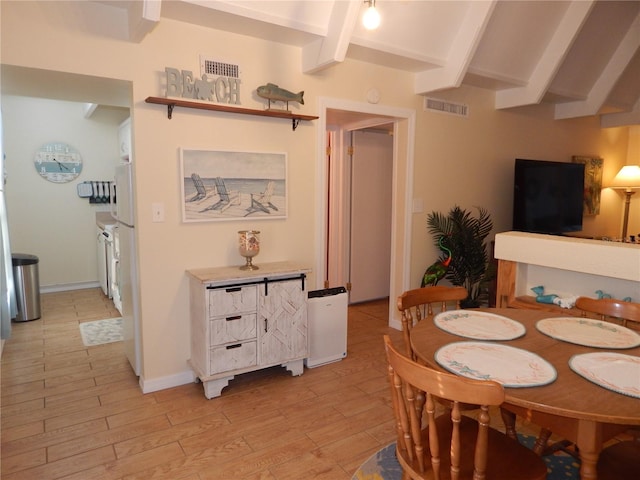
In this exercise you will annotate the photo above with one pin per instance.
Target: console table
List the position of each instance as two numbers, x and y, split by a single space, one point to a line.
565 266
243 321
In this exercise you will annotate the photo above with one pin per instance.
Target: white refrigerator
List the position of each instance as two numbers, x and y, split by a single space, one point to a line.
127 276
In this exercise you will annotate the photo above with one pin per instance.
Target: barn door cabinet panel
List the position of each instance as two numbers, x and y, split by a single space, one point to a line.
283 328
565 266
243 321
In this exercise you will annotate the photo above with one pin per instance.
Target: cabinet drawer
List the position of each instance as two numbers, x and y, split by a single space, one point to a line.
232 357
233 328
232 300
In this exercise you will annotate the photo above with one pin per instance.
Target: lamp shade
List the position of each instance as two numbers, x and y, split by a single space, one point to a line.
628 178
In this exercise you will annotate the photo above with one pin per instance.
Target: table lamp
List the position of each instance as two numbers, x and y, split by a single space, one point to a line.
627 179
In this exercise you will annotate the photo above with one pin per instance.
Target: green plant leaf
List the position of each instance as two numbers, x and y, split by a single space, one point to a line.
464 235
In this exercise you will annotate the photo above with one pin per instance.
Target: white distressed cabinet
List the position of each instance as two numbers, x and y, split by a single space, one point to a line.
247 320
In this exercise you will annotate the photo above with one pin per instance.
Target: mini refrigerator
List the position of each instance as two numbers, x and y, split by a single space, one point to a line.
327 320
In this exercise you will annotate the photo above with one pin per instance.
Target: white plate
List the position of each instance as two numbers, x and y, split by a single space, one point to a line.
589 332
510 366
613 371
479 325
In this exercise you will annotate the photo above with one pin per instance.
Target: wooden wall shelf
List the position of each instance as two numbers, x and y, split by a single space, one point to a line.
171 103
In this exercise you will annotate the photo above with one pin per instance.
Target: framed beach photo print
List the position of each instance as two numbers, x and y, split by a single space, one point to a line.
232 185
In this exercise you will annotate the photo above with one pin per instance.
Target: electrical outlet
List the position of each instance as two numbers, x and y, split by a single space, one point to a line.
157 212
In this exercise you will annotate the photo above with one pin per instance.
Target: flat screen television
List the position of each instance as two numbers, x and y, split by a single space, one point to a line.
547 196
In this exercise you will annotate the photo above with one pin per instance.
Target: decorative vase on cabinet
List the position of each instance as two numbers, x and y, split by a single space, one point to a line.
242 321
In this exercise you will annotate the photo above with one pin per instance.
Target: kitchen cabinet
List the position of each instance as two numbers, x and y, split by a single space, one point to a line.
243 321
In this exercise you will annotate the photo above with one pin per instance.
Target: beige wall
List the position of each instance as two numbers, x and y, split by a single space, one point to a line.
457 161
469 161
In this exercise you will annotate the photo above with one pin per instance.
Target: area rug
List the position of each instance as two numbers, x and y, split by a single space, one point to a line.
383 464
101 331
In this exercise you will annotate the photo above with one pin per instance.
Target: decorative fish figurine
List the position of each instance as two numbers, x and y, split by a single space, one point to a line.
273 93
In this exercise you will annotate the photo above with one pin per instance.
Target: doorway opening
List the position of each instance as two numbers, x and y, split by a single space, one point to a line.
85 111
359 217
341 122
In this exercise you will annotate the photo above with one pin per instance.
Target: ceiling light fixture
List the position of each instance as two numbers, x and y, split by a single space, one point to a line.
627 179
371 17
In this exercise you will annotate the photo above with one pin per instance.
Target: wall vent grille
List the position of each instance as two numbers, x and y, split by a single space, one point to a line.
216 68
442 106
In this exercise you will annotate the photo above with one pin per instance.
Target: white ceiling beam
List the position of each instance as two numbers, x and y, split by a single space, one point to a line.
607 80
143 17
621 119
461 53
332 49
550 61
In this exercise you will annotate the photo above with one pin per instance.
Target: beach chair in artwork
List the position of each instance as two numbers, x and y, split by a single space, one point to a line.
201 191
226 198
262 201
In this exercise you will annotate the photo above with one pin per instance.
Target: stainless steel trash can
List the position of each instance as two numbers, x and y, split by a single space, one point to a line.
27 285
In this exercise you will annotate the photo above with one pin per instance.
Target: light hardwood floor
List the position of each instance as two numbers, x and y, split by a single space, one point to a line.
75 412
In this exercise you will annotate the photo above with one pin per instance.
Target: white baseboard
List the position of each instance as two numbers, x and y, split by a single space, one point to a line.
170 381
68 286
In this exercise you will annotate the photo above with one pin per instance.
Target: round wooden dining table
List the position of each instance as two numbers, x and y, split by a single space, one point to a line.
571 406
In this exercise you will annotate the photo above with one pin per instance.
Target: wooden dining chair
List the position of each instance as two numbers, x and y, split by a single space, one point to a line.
418 303
609 309
628 315
619 461
452 445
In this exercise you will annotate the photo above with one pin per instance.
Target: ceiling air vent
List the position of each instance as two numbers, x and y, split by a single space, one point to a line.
442 106
216 68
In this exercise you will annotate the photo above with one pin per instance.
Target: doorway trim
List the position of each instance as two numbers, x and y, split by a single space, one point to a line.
402 191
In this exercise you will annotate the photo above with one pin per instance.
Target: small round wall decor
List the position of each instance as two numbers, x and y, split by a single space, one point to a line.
58 162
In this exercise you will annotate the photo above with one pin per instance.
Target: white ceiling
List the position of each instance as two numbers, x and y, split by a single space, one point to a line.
583 56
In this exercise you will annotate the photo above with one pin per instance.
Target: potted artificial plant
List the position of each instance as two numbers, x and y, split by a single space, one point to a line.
465 261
